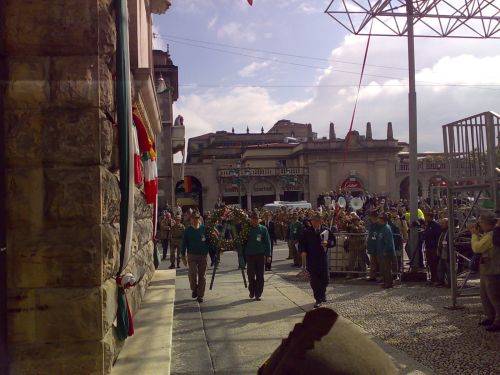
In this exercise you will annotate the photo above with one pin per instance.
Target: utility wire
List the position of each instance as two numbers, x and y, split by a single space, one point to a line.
174 37
202 85
280 61
421 83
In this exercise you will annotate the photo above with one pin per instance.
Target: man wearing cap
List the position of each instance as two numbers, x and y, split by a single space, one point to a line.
176 233
385 250
194 243
256 250
314 245
485 243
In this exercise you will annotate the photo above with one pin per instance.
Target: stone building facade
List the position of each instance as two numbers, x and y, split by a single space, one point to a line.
172 137
290 163
62 182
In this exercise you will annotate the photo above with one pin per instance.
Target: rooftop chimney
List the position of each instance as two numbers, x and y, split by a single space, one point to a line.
390 134
332 132
369 130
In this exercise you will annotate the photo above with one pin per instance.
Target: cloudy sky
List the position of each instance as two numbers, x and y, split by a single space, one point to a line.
287 59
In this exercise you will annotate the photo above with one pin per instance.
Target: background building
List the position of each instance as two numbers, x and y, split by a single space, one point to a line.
172 138
290 163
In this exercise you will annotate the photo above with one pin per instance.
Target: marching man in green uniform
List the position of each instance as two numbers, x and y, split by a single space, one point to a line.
257 251
176 234
294 233
195 243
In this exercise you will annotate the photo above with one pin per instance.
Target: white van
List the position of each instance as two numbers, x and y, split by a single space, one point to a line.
288 205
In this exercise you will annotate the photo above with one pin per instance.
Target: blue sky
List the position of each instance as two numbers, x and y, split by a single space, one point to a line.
233 90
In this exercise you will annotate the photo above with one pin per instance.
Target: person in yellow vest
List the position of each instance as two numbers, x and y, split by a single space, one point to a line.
489 269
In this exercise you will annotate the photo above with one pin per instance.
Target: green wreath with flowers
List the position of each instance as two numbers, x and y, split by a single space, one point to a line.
235 216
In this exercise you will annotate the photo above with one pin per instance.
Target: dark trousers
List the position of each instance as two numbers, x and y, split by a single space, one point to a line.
319 282
443 274
432 263
490 297
386 268
197 265
255 272
268 264
164 245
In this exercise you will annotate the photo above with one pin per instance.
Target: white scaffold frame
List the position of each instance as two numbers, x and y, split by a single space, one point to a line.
471 147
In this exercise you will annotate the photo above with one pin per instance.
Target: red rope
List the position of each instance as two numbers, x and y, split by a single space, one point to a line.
348 137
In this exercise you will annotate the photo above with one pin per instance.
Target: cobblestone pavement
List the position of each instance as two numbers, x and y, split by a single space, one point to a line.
412 318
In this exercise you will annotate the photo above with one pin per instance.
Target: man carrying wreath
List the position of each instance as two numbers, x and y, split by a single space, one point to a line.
257 251
195 243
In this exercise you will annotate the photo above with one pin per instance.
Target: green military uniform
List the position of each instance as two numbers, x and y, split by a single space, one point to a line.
257 248
195 243
176 234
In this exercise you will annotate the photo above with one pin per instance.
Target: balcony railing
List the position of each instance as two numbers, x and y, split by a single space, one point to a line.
262 172
423 166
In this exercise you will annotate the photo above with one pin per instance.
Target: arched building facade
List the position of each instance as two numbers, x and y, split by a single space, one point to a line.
259 168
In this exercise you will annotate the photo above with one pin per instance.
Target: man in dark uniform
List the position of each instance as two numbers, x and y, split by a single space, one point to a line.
314 245
269 224
257 251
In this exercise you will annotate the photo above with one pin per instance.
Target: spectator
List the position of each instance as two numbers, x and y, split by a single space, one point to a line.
443 252
385 250
431 236
489 269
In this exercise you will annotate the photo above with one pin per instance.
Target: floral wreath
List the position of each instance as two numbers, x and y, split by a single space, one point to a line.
235 215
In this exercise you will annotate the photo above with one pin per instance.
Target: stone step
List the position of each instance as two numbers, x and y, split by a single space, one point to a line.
148 351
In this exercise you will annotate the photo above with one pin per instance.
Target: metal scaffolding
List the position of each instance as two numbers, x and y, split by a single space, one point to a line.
472 150
479 19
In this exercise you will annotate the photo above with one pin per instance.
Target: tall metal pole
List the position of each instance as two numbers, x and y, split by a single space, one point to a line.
412 130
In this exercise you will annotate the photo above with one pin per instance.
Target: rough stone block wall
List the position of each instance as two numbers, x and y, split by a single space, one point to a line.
62 188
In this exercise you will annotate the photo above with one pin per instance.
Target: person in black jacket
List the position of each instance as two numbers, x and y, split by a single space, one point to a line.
314 245
431 235
268 222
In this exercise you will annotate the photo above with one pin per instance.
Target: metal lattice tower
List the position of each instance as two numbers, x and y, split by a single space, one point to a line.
432 18
479 19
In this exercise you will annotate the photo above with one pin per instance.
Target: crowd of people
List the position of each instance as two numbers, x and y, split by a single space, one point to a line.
375 238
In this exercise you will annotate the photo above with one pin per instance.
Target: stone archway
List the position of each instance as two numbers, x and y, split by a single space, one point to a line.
189 193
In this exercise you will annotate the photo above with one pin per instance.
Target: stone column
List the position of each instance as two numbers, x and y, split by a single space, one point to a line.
62 187
249 201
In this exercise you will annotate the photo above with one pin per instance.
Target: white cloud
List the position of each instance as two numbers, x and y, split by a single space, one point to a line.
251 69
309 8
238 107
236 32
212 22
383 99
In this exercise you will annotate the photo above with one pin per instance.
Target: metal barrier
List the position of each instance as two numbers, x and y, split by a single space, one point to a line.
348 256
